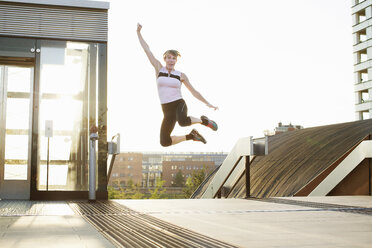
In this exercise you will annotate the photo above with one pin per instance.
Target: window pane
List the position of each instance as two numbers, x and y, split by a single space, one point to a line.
57 176
16 147
15 172
19 79
18 111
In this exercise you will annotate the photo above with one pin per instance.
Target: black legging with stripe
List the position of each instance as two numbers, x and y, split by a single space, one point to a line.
173 112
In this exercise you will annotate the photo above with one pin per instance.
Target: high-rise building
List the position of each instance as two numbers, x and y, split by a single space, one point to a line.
362 48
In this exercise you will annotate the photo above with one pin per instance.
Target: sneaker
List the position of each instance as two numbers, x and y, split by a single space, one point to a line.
211 124
196 136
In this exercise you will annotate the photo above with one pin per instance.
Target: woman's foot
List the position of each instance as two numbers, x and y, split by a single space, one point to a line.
196 136
209 123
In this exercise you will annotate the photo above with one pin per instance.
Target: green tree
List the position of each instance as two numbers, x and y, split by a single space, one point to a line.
130 183
159 191
132 191
179 180
118 193
193 182
115 194
136 192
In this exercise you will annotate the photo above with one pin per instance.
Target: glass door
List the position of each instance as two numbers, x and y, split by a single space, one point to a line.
62 107
15 136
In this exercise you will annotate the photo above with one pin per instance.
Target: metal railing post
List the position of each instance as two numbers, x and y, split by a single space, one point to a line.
247 177
92 166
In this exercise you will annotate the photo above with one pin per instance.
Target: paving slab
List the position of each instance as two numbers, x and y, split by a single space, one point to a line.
45 224
250 223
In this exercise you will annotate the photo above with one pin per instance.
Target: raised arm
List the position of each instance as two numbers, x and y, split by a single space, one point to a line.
155 63
195 93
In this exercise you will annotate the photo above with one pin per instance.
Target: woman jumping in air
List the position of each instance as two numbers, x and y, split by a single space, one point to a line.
169 83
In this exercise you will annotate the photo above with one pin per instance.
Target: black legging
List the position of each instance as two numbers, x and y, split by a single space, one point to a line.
173 112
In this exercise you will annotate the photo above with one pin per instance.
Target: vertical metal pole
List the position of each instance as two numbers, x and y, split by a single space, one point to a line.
92 166
247 177
47 182
2 125
92 98
102 121
370 177
370 170
35 123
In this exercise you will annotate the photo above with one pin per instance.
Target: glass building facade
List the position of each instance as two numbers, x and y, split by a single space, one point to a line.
53 90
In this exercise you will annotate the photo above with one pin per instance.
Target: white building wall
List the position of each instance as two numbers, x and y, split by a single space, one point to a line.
362 42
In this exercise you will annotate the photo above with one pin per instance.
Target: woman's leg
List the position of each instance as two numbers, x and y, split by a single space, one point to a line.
195 120
171 116
178 139
167 125
177 111
185 120
182 118
181 113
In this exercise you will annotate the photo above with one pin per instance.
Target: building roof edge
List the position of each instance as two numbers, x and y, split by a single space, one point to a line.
66 3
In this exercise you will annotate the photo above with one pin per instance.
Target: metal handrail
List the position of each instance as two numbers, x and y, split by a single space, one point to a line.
234 164
113 149
198 190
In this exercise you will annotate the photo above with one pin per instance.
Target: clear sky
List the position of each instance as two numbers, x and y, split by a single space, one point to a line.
260 62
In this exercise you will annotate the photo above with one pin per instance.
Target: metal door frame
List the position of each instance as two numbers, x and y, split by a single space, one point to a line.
19 52
14 189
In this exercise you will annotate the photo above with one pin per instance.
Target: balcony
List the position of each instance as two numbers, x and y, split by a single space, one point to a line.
362 45
364 106
363 86
362 5
363 25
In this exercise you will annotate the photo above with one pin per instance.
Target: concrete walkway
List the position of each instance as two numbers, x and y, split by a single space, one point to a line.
279 222
250 223
26 224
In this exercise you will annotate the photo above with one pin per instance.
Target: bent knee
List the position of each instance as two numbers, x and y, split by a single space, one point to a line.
166 142
184 122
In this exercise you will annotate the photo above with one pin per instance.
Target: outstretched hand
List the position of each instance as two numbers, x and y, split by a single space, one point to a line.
211 106
139 27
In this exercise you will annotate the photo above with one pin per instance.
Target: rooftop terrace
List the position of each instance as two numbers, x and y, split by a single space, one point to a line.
271 222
